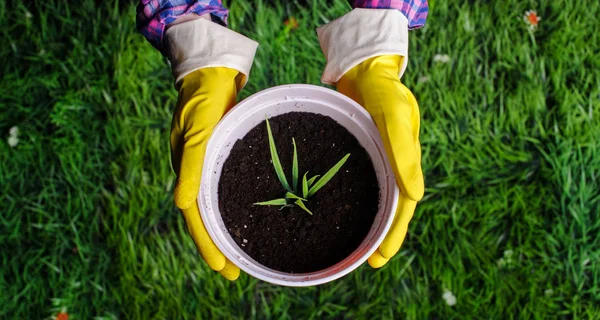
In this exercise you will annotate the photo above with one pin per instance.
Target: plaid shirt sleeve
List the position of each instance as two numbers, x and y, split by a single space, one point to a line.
414 10
154 15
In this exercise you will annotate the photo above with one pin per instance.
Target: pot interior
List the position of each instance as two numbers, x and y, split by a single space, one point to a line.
289 238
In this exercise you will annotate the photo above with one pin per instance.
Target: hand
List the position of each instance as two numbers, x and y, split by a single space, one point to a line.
205 95
375 85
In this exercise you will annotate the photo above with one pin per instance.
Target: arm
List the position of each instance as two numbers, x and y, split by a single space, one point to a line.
415 11
367 53
154 16
210 64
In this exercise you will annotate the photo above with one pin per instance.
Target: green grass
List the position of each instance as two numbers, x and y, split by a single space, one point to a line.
511 162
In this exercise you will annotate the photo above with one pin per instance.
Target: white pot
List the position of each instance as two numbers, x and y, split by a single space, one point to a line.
272 102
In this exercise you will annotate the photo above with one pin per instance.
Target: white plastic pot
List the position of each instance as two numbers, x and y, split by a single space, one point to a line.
272 102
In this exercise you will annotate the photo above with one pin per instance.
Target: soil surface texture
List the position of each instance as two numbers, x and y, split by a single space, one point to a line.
291 240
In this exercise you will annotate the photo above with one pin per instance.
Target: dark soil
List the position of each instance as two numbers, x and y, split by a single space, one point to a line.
290 239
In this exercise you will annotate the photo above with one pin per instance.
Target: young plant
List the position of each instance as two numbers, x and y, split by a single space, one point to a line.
296 195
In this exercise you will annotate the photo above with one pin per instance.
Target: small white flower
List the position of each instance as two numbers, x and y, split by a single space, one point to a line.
13 136
443 58
423 79
13 141
449 297
507 260
28 15
14 131
548 292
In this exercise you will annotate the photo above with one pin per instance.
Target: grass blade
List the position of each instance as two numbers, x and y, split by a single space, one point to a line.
289 195
300 204
312 180
326 177
304 186
275 159
275 202
295 168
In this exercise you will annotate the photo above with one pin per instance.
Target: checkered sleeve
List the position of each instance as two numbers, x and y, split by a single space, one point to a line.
154 15
414 10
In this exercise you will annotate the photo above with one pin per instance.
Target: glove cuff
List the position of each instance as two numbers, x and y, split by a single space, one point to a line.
200 43
359 35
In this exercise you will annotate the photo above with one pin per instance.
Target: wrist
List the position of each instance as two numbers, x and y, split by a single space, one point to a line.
377 73
217 85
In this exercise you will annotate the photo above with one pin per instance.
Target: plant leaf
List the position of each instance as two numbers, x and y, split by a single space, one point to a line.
275 159
326 177
304 186
289 195
312 180
275 202
295 168
300 204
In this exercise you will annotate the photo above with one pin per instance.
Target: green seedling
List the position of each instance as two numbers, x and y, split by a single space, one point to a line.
296 195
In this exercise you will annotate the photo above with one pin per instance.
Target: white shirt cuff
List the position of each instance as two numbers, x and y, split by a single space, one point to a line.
200 43
359 35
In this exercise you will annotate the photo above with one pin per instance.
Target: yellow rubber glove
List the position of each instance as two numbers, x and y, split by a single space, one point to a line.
205 95
375 85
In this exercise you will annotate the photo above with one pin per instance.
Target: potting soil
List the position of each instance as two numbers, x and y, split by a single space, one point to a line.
290 239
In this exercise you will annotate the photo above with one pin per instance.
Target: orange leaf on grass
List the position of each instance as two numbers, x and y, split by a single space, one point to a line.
532 19
291 23
62 316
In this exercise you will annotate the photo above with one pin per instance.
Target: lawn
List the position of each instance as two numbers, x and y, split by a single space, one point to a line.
509 224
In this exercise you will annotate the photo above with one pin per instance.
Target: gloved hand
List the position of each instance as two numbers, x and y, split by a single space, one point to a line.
366 52
205 95
210 64
375 85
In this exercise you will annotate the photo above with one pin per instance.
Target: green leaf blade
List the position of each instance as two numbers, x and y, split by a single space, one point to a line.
275 202
304 186
275 159
312 180
300 204
327 176
295 168
289 195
